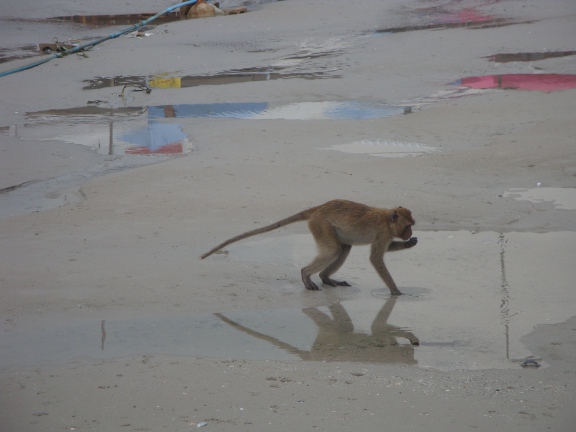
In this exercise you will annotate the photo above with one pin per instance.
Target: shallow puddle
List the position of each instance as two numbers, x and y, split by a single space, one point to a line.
529 56
137 136
116 20
561 198
131 19
471 25
538 82
480 308
390 149
468 316
330 110
230 77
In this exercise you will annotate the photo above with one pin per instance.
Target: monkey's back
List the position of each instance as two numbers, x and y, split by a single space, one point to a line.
354 223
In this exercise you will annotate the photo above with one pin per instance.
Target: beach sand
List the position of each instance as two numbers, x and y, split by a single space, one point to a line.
109 195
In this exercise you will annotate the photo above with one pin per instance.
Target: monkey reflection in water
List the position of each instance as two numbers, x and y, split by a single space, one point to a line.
337 341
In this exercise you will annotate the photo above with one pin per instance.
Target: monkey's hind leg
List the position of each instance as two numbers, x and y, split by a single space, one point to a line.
333 268
329 251
322 261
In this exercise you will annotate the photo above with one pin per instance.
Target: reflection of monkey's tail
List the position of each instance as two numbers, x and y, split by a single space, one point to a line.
304 215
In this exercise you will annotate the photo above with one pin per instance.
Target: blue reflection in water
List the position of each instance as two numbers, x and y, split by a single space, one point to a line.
355 110
227 110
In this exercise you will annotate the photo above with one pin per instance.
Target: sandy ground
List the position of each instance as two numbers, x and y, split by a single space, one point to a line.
110 321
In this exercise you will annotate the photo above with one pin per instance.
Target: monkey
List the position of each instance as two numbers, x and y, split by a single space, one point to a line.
338 225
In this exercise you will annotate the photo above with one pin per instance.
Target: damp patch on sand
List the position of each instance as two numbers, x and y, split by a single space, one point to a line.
561 198
384 148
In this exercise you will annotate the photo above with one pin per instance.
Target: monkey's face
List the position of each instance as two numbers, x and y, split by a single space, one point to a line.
407 233
404 221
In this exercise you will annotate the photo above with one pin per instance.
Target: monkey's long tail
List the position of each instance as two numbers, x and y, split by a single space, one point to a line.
304 215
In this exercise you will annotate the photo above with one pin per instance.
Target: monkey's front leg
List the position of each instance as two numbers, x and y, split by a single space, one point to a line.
377 260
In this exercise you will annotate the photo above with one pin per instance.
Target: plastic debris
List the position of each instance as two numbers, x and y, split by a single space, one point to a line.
201 424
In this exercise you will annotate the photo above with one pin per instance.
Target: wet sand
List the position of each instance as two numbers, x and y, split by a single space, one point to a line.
110 321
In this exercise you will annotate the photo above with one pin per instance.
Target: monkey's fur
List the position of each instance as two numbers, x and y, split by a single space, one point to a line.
338 225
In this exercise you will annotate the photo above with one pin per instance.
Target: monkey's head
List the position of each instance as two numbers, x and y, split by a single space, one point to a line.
402 222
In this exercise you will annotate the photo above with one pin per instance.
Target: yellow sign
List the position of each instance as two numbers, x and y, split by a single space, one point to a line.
159 82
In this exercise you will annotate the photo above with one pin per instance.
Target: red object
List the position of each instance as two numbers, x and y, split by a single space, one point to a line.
539 82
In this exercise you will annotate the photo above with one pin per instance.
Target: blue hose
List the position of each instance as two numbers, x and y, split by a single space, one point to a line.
96 42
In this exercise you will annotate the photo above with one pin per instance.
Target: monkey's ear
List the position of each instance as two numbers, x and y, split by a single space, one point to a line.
394 217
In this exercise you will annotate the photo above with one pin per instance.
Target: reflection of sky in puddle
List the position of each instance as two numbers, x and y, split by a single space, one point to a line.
539 82
562 198
346 110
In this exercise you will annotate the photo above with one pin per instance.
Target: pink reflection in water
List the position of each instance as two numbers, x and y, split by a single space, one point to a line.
539 82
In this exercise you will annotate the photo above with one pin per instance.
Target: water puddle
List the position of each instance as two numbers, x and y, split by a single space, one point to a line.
234 76
472 316
537 82
301 64
330 110
470 25
131 19
529 56
561 198
116 20
129 137
480 310
389 149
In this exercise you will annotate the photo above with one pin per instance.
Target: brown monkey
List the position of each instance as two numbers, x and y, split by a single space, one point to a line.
338 225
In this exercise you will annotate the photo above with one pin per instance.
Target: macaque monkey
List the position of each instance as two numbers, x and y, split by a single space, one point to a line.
338 225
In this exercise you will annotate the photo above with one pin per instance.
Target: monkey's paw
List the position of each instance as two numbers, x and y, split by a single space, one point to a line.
411 242
312 286
334 283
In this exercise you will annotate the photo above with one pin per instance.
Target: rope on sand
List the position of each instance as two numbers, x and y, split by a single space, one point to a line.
96 42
